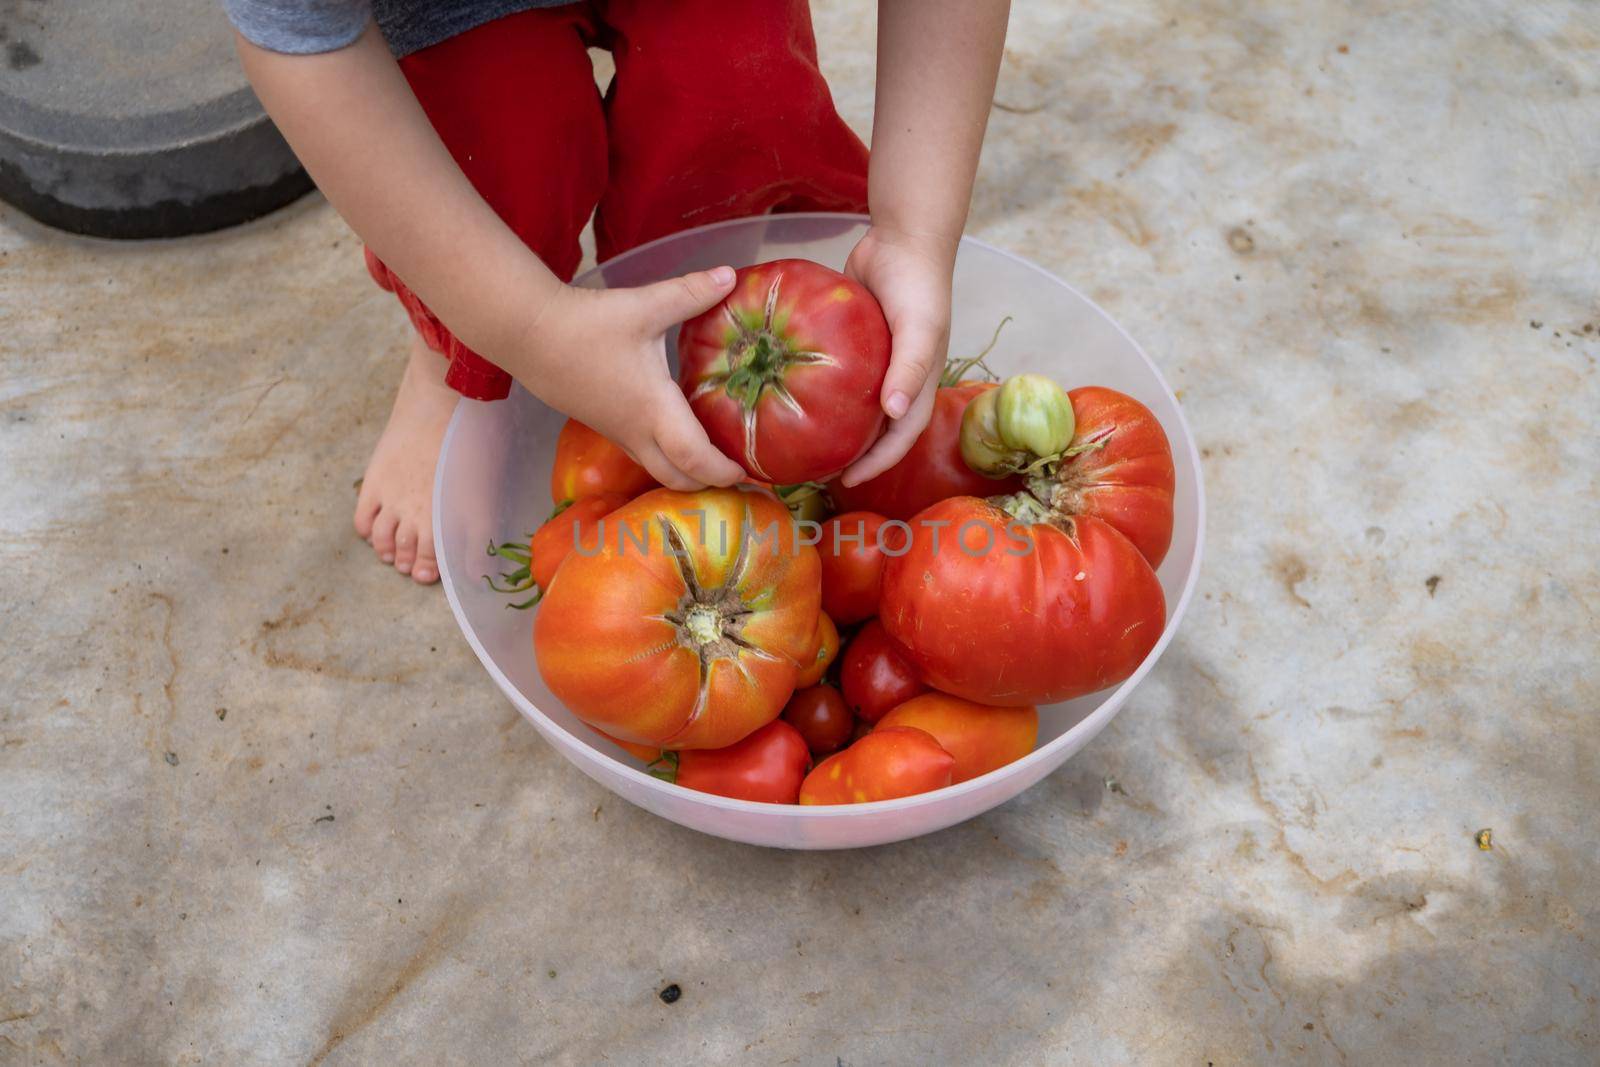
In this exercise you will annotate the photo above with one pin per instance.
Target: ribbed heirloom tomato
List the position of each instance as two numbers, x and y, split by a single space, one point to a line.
1124 472
1019 606
931 471
1049 592
784 374
588 464
687 628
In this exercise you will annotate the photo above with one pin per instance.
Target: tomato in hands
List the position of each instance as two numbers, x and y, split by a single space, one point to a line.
812 670
784 374
822 717
767 766
588 464
890 762
852 564
688 627
980 737
931 471
1019 606
875 675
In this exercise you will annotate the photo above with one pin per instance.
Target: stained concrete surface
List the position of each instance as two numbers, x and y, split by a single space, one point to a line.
259 804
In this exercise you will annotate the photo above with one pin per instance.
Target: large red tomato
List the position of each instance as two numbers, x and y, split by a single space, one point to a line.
1123 473
898 761
588 464
981 737
1014 611
687 628
875 675
768 766
785 373
932 471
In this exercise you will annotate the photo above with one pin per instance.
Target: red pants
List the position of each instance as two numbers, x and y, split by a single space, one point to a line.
717 111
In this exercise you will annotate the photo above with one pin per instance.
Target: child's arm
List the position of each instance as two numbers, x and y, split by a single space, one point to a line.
596 355
937 64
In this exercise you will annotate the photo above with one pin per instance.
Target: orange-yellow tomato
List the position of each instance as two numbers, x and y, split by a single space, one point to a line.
688 626
648 753
827 647
980 736
588 463
899 761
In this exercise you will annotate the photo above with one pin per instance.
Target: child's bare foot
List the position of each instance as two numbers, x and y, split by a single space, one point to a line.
394 510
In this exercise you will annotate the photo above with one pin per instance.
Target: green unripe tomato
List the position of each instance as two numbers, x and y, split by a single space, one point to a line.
981 446
1034 415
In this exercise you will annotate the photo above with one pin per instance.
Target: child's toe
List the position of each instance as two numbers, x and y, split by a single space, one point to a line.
405 546
426 569
383 532
367 506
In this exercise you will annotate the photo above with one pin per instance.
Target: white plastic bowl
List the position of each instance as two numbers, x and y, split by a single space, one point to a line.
494 476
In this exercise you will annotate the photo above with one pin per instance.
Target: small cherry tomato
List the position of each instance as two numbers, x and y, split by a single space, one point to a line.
822 717
897 761
852 564
587 464
812 670
874 675
980 737
574 523
768 766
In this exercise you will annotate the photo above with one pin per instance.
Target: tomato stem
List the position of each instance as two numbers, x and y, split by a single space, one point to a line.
805 500
704 623
955 370
1024 507
664 767
519 580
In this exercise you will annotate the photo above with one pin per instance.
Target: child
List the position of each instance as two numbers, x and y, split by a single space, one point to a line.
466 143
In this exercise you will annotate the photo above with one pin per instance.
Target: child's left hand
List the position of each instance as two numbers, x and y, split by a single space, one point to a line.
910 276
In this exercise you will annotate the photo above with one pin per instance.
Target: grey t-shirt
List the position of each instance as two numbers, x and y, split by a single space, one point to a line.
301 27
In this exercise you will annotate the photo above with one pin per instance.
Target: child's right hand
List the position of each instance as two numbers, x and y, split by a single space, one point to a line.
600 356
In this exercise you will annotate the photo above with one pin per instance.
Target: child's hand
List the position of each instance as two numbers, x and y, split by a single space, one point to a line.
600 356
910 276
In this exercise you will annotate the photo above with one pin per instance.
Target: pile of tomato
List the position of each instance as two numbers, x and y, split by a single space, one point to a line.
795 640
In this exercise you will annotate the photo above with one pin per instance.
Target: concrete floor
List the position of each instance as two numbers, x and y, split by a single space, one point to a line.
259 804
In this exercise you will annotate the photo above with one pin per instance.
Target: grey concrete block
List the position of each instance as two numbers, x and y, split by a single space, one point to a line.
134 120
